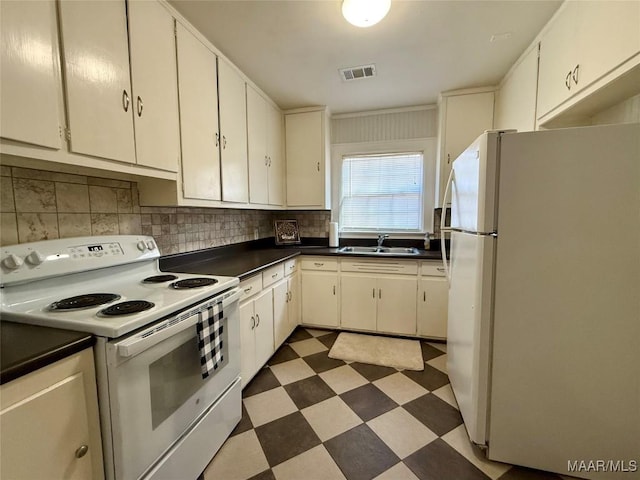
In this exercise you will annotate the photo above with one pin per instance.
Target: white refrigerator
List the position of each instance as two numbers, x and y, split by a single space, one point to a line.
544 298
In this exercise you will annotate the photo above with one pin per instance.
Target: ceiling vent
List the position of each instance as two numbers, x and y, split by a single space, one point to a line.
358 73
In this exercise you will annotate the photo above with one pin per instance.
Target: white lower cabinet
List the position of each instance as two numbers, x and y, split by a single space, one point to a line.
280 313
433 296
359 301
320 298
256 334
49 422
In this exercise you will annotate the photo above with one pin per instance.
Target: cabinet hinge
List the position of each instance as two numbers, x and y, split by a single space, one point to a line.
65 133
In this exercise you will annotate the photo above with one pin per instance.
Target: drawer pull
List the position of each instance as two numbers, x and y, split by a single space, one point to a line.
424 296
374 293
275 275
247 290
318 264
82 451
441 269
334 289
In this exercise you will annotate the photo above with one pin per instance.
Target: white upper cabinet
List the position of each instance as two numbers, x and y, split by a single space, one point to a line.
155 90
98 86
307 159
197 80
233 129
31 87
264 129
584 43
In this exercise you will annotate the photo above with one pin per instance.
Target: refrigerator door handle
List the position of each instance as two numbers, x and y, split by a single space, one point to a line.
444 228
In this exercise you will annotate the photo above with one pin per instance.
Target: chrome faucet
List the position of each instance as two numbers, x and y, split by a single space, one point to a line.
381 238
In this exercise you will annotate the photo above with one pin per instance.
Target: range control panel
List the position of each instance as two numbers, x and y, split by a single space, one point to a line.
29 261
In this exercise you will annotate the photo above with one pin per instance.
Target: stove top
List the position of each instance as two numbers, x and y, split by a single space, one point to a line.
108 297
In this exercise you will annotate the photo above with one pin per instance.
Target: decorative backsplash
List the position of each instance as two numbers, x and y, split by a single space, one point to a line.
39 205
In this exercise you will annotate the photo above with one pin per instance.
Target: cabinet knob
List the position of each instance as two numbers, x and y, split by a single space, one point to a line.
82 451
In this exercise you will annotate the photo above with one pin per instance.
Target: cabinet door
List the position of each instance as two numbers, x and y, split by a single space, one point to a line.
320 298
275 156
98 86
280 313
294 302
197 80
257 141
31 86
264 327
433 299
397 304
358 294
247 342
233 127
155 85
305 158
41 434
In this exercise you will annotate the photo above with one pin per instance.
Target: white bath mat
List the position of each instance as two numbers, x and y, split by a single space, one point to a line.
378 350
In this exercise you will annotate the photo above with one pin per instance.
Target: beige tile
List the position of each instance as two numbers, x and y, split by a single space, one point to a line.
103 199
439 362
125 203
240 457
268 406
74 224
292 371
401 431
446 394
6 195
33 227
104 224
343 379
308 347
34 196
107 182
72 197
135 198
398 472
314 464
330 418
440 346
400 388
317 333
8 229
459 440
129 223
5 171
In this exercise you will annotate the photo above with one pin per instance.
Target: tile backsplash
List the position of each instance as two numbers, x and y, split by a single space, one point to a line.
39 205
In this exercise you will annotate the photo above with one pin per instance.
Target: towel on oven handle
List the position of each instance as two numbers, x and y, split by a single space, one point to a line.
209 330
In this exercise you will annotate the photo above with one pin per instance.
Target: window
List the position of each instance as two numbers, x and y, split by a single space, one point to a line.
382 192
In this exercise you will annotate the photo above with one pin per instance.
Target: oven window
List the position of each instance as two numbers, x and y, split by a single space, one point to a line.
176 376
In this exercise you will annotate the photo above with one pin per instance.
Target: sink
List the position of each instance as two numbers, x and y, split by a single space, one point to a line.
379 250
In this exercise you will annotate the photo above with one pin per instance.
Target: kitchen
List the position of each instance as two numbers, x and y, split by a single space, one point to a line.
64 175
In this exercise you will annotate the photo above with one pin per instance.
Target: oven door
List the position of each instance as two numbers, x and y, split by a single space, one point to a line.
156 390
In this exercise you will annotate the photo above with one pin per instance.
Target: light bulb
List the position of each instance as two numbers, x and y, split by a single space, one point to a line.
364 13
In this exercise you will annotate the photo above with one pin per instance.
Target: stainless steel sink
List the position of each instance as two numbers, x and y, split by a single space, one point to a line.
379 250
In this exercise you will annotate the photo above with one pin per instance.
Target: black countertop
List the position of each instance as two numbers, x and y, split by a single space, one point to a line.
246 259
25 348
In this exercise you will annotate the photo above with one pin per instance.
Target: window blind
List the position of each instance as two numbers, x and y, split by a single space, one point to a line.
382 192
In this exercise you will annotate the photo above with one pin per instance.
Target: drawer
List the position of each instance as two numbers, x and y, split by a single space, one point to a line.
272 275
290 266
250 286
380 266
432 269
320 263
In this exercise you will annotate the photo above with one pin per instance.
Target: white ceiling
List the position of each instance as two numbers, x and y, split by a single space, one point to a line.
293 49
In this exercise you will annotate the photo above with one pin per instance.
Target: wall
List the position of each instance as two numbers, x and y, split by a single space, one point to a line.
40 205
627 111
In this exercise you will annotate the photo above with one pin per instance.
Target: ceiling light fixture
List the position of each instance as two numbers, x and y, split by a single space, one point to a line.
364 13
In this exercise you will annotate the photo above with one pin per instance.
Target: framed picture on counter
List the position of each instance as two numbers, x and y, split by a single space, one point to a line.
287 232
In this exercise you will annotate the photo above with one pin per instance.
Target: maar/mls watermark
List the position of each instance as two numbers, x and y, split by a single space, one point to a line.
604 466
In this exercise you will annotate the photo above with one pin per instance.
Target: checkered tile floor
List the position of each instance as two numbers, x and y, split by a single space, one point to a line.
306 416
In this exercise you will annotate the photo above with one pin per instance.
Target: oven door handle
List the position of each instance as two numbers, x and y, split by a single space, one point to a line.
158 333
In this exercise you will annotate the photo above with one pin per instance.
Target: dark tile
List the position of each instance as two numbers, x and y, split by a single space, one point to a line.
523 473
266 475
320 362
329 340
201 476
245 423
372 372
263 381
360 453
429 352
368 401
283 354
309 391
299 334
286 437
430 378
436 414
438 461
